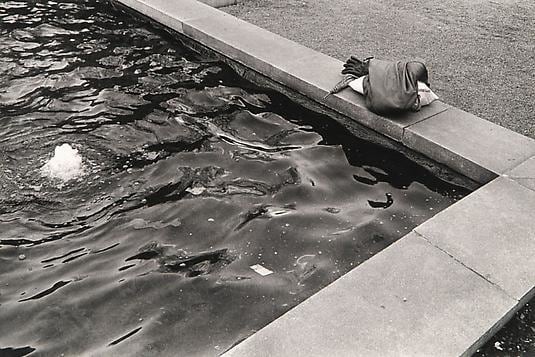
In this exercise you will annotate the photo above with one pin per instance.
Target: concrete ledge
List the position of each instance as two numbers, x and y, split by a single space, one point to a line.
524 173
478 148
493 234
219 3
169 13
410 300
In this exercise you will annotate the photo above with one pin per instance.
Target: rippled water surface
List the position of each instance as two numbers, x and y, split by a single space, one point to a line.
190 176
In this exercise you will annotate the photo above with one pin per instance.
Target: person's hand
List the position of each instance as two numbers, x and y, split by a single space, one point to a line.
356 67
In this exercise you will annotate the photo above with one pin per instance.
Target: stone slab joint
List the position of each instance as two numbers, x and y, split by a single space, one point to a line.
524 174
493 234
487 278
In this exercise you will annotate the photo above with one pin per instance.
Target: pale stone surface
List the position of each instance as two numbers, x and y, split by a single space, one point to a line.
170 13
492 231
219 3
244 42
524 173
471 145
410 300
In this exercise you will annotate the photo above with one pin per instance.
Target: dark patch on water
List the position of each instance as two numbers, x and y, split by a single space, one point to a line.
105 249
172 260
16 352
516 338
126 267
380 204
266 212
74 257
191 176
150 254
122 338
62 256
46 292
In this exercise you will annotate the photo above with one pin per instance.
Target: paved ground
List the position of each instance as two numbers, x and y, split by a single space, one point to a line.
480 53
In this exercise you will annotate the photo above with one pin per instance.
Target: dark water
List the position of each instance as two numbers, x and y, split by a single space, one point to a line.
191 176
516 338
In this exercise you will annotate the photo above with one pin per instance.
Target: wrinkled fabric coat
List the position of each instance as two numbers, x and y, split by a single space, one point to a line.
392 87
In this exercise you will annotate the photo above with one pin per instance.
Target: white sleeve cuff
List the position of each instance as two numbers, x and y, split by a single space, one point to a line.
356 85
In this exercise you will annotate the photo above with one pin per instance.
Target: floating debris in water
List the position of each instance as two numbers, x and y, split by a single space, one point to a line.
65 165
261 270
36 188
342 231
197 190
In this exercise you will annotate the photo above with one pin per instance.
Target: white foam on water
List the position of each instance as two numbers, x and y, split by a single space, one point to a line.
65 165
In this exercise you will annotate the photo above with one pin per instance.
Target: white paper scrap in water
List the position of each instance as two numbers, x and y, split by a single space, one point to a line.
197 190
261 270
